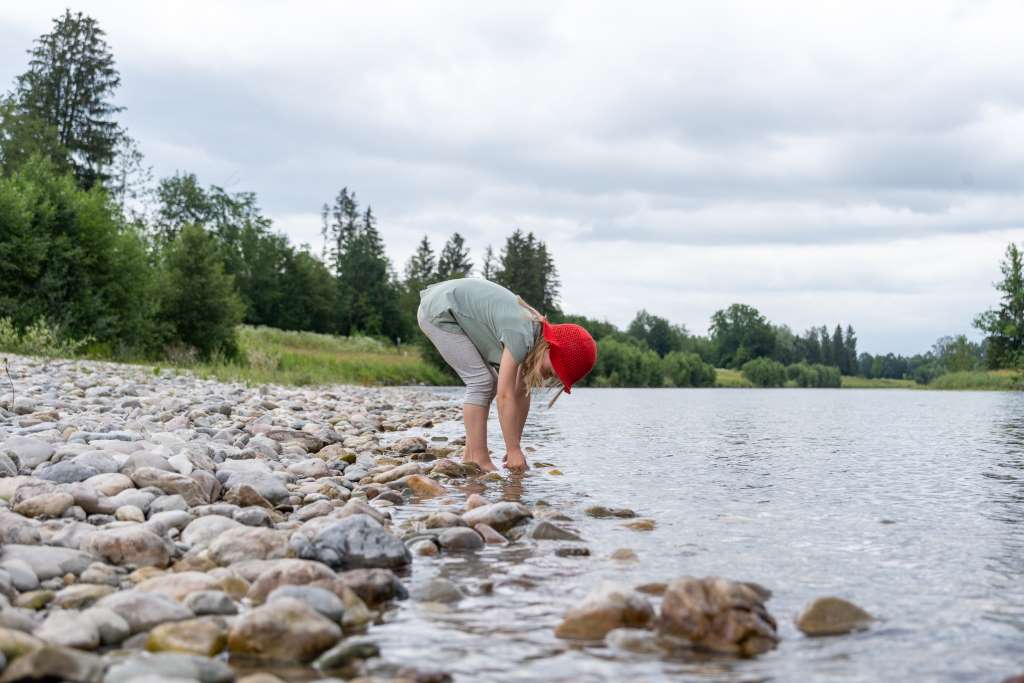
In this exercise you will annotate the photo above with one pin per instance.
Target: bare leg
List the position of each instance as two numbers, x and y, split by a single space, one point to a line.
475 419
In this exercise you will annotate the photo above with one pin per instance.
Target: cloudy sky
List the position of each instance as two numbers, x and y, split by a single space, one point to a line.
834 161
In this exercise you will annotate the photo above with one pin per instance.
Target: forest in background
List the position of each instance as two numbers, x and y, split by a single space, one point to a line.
98 258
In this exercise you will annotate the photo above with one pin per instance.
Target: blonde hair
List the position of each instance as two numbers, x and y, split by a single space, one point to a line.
532 368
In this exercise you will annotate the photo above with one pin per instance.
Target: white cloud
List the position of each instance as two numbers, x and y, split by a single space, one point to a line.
860 162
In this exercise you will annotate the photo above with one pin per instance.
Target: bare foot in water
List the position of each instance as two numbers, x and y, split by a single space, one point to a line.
481 461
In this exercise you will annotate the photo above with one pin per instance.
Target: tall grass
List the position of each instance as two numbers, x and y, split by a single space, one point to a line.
980 380
272 356
879 383
731 379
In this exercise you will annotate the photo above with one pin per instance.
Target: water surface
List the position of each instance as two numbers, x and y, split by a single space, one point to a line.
908 503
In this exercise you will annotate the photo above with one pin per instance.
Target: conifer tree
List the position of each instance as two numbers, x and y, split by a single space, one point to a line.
528 269
839 351
421 269
454 260
489 266
69 87
1004 326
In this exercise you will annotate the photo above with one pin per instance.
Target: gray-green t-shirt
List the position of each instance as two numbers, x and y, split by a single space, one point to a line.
487 313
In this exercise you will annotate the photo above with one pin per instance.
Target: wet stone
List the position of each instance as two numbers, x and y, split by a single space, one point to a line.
719 615
829 616
459 539
606 608
346 653
602 512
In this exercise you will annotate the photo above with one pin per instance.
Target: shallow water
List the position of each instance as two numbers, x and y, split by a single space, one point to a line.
911 504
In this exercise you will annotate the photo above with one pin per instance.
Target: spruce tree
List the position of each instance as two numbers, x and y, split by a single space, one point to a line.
528 269
421 269
839 351
489 266
1004 326
454 260
850 341
368 293
198 301
69 86
826 346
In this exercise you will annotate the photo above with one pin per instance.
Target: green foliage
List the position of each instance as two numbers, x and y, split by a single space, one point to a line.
814 376
958 354
23 137
198 302
660 335
598 329
764 372
66 257
69 88
979 380
740 333
621 364
528 269
687 370
39 339
1004 326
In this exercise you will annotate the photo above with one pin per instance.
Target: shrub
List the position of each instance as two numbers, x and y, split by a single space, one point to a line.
39 339
198 302
764 372
623 364
687 370
67 257
814 376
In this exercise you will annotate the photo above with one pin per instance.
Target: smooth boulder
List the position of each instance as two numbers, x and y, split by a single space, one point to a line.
608 607
719 615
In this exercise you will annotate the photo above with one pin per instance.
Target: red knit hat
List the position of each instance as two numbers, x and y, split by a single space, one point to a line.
573 351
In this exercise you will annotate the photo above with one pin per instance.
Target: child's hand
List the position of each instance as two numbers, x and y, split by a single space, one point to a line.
515 461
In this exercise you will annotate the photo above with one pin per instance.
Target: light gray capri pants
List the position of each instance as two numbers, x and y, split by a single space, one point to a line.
458 351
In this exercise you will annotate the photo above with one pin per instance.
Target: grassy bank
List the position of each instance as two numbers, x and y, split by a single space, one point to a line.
982 380
879 383
731 379
306 358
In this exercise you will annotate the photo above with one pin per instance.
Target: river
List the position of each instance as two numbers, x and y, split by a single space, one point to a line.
908 503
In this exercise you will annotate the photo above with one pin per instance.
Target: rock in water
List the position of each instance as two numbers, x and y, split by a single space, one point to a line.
345 653
546 531
500 516
423 487
718 615
609 607
352 543
438 589
285 630
601 512
460 538
830 616
372 586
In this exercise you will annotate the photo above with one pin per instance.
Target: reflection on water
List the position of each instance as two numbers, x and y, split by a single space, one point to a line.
909 503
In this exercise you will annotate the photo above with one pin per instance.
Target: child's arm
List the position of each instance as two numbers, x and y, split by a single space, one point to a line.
513 406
